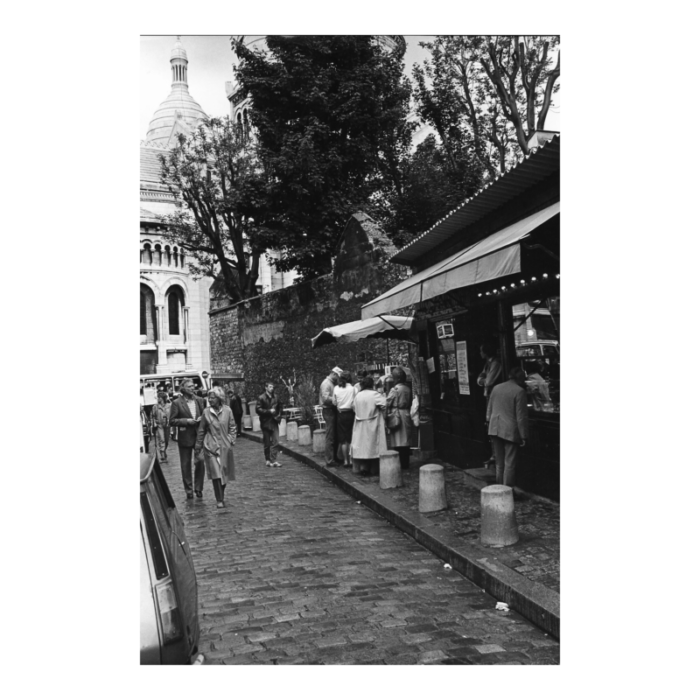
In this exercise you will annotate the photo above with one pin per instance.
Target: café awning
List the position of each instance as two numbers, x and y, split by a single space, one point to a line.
496 256
398 327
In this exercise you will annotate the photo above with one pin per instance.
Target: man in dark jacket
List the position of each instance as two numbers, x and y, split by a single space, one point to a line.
185 414
269 408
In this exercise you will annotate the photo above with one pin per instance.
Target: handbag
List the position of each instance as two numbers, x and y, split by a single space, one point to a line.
393 419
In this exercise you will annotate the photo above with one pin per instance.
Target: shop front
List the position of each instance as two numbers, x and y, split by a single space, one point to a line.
501 289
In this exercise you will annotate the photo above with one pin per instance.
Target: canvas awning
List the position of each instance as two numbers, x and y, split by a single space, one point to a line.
398 327
496 256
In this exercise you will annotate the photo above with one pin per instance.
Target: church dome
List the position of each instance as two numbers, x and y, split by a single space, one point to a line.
180 112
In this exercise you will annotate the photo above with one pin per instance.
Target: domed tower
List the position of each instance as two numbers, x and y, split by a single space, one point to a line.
180 113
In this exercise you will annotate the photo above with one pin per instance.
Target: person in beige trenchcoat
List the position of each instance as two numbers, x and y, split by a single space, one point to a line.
215 440
369 432
399 400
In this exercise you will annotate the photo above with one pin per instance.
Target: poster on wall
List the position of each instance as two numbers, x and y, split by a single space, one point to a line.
431 365
462 371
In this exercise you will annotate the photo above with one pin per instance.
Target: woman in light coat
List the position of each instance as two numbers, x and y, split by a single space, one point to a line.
215 440
399 401
369 433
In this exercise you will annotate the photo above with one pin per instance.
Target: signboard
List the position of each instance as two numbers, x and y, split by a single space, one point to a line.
462 370
431 365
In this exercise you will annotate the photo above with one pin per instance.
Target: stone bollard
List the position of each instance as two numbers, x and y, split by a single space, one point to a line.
319 441
389 470
251 408
283 427
304 435
498 526
256 424
431 489
292 432
247 422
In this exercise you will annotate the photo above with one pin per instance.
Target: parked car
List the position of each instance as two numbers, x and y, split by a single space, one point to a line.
538 348
169 622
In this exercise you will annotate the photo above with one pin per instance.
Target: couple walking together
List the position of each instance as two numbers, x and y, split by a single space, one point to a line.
208 432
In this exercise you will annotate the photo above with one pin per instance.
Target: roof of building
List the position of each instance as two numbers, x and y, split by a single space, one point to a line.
150 165
375 232
148 215
539 164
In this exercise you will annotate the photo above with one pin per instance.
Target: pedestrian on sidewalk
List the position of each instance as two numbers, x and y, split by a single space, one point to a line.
215 440
369 433
330 414
488 378
185 414
399 401
161 425
237 410
508 427
343 400
269 408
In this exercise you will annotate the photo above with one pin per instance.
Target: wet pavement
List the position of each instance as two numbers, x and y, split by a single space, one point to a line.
294 571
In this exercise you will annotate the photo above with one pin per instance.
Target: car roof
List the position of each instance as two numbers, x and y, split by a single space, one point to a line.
147 462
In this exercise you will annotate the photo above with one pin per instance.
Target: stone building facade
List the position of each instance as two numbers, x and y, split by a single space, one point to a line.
174 324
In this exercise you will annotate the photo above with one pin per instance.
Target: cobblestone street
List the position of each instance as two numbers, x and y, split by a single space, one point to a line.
294 571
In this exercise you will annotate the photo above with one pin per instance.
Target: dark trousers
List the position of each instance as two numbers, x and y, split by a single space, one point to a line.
404 455
219 489
271 436
505 453
330 415
186 454
238 420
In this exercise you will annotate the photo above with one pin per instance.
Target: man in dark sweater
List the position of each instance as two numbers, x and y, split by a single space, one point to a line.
269 408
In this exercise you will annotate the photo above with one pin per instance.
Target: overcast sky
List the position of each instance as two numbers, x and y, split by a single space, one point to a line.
210 66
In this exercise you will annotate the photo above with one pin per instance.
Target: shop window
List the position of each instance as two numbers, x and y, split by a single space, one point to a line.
536 334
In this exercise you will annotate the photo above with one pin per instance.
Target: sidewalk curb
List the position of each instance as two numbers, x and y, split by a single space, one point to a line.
532 600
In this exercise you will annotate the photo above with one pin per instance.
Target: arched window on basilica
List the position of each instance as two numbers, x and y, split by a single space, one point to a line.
168 257
175 256
146 255
157 259
148 315
175 302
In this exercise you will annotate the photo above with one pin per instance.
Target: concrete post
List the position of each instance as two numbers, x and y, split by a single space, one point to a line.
256 424
304 435
498 525
251 408
292 431
247 422
431 489
389 470
283 427
319 441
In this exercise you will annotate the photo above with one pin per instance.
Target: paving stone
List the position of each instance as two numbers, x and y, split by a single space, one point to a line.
284 581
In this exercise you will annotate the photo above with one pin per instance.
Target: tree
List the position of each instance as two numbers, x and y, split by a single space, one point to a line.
434 182
214 172
330 115
488 94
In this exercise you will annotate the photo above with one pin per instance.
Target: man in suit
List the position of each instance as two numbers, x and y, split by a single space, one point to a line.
506 416
269 408
185 414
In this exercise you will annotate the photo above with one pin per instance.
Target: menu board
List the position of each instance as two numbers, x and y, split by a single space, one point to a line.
431 365
462 370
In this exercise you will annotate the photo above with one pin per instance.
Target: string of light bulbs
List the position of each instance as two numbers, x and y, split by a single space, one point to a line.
513 285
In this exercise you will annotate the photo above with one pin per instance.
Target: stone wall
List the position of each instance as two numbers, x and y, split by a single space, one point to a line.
269 337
